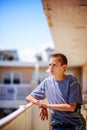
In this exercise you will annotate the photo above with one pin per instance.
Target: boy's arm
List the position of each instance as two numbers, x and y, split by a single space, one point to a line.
60 107
30 98
43 111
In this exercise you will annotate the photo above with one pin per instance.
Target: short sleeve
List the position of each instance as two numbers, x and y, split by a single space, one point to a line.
75 94
39 92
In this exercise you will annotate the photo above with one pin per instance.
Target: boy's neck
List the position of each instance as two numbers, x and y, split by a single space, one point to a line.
60 77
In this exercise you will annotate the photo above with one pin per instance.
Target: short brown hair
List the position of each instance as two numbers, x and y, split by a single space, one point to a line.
61 58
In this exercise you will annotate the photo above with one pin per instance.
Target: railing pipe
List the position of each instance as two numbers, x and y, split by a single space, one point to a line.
13 115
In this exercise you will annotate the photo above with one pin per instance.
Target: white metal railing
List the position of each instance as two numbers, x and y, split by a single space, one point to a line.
15 119
25 118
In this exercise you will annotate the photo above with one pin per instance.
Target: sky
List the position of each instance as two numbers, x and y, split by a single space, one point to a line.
24 27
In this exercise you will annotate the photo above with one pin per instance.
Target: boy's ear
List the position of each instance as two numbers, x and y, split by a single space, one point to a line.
64 67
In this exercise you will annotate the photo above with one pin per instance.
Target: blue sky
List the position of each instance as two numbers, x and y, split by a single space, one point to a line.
23 26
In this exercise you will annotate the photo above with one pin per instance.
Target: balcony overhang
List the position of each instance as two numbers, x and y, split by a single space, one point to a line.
68 25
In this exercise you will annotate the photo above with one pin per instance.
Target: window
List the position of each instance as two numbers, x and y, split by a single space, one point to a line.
16 79
7 78
11 78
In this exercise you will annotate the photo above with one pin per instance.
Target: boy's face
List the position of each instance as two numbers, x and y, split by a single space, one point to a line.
55 67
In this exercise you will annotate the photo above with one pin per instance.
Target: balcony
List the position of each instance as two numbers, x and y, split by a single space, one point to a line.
25 118
12 95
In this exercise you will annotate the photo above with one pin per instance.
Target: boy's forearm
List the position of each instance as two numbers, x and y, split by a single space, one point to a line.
30 98
63 107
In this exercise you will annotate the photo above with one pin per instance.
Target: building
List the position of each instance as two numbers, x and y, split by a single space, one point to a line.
8 55
17 80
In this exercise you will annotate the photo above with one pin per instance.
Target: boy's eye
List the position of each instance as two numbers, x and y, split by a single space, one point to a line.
52 64
49 64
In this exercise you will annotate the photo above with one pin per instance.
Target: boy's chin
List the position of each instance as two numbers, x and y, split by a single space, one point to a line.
51 74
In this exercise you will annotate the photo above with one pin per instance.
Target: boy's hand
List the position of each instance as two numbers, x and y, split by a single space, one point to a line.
42 103
43 113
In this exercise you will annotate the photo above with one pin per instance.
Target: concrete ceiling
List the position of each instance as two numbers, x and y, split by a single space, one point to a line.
67 20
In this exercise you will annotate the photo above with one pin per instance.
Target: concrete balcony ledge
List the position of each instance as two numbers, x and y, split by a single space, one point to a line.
12 116
25 118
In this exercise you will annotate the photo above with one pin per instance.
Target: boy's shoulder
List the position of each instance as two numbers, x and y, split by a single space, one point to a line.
73 80
72 77
49 78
